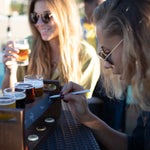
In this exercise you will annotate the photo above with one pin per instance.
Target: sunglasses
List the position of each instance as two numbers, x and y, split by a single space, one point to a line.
106 55
45 16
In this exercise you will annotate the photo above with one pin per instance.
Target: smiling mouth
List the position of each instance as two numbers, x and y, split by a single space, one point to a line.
45 30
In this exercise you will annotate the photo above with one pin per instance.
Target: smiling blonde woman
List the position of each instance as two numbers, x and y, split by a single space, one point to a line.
58 52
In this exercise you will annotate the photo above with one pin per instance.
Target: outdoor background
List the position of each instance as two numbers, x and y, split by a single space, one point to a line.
14 23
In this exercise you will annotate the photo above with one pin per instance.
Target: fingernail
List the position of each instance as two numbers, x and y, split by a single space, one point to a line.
65 101
62 96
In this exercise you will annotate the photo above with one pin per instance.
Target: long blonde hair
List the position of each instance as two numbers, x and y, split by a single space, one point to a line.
69 28
131 20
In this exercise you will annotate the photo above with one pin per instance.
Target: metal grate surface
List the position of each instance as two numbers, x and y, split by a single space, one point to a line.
70 135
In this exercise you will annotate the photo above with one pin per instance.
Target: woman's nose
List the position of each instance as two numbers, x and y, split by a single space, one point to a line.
107 65
39 22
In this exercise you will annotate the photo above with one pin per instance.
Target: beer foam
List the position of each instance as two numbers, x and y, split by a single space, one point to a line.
25 85
36 83
19 96
21 46
6 101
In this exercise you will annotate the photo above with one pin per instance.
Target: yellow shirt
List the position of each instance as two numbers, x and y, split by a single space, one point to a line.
90 34
90 69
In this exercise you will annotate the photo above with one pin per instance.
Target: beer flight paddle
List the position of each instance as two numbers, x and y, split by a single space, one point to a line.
77 92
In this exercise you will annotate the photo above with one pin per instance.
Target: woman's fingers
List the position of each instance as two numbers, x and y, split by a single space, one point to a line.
10 44
10 48
71 87
10 55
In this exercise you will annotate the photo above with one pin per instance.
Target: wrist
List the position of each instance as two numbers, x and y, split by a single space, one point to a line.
10 71
88 119
11 76
93 122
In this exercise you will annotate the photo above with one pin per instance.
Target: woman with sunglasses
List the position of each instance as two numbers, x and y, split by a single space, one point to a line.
123 32
57 52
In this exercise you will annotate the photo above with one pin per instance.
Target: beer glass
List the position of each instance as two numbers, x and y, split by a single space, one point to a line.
9 102
23 46
37 82
19 95
29 90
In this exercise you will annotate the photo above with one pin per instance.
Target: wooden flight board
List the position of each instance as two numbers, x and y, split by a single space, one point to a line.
15 133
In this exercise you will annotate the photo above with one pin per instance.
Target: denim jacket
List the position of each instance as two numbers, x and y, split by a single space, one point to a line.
140 138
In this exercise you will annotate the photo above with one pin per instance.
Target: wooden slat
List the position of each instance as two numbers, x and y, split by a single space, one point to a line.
12 131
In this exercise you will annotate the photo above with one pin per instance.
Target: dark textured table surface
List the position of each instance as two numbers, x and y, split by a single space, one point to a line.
70 134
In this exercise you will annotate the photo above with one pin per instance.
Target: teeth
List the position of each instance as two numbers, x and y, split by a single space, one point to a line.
44 30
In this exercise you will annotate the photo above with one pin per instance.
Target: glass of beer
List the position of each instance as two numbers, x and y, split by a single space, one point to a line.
23 46
37 82
19 95
7 101
29 90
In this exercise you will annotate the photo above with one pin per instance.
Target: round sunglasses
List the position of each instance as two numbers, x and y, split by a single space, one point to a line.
45 16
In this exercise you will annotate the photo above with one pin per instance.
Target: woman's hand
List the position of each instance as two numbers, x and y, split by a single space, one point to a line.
77 103
10 56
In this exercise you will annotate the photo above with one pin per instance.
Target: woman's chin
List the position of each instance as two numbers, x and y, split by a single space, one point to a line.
44 39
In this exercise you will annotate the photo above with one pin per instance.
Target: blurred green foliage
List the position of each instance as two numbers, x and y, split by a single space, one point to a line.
19 7
79 1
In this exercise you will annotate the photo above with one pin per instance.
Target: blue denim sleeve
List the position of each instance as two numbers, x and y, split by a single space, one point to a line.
140 138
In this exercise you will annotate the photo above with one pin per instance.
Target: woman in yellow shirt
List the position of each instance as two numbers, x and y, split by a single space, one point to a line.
57 51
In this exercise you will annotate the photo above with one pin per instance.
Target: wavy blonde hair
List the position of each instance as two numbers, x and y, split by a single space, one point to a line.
68 22
131 20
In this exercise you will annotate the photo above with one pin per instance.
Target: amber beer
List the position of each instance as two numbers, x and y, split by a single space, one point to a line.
38 86
8 102
23 47
29 90
23 56
37 82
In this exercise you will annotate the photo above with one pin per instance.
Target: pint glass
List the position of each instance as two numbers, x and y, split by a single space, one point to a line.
23 46
37 82
19 95
9 102
29 90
